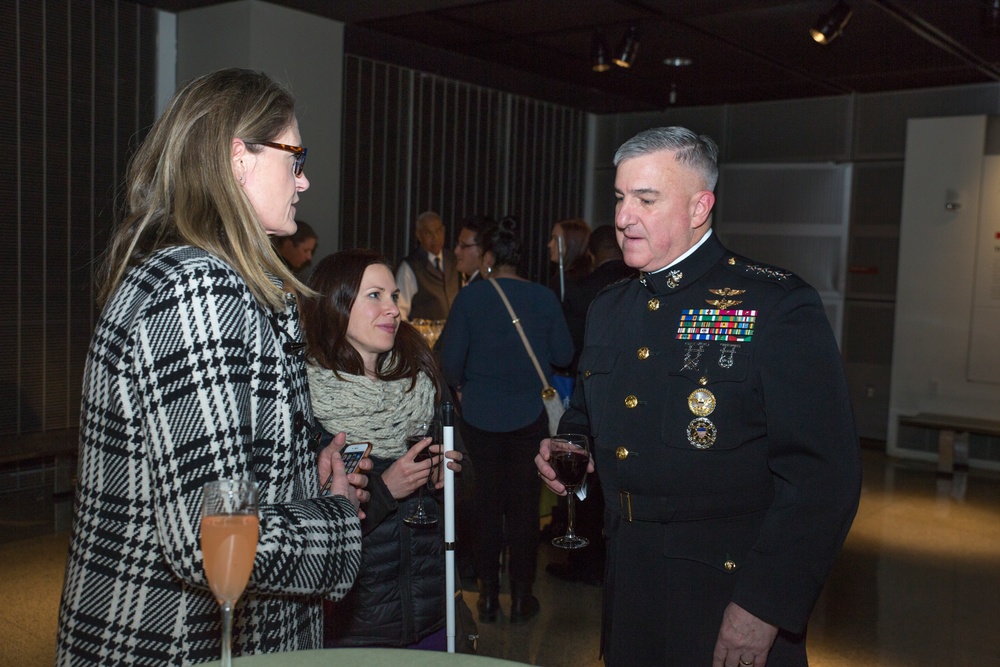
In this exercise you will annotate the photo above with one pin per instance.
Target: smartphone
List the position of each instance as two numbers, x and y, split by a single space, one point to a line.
351 455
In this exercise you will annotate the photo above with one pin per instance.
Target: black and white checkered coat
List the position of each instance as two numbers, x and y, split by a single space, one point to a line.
189 379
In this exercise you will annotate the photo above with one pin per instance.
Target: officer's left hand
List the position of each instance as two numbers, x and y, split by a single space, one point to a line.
744 639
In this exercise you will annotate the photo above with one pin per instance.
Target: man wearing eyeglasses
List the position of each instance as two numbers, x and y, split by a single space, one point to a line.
468 250
428 277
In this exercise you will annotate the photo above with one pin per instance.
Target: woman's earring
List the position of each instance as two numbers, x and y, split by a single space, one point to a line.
489 270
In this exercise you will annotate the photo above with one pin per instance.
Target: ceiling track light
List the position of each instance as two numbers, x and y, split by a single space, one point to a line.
600 54
830 25
625 55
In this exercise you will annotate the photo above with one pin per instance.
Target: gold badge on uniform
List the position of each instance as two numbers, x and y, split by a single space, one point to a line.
701 402
701 433
725 303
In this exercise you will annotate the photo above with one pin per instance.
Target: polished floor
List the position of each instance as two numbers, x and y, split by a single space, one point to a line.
918 583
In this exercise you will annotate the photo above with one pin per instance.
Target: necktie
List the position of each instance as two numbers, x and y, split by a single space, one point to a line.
437 264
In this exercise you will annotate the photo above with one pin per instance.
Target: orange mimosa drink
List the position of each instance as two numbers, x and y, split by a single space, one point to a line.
229 544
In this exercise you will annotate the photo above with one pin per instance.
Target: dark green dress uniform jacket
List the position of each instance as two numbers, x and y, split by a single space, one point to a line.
725 442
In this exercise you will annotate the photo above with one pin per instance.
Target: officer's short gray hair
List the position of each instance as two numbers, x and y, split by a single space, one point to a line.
696 151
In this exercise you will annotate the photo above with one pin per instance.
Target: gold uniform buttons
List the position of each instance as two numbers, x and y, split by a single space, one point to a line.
653 304
732 261
586 375
631 401
643 353
703 380
621 453
729 565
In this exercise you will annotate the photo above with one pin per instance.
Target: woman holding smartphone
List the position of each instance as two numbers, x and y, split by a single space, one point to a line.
369 375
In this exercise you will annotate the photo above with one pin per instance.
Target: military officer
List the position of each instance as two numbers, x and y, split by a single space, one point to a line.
712 388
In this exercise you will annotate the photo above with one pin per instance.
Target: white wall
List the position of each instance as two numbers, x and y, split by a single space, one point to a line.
939 231
304 52
984 350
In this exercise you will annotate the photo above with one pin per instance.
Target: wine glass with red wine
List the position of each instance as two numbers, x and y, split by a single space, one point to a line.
569 456
416 431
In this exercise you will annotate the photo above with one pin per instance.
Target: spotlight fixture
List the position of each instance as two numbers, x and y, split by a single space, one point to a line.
830 25
599 53
625 55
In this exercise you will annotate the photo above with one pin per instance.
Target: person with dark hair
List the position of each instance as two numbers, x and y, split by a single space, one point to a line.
297 250
577 261
609 267
469 246
428 277
193 375
369 375
722 426
469 254
587 564
503 416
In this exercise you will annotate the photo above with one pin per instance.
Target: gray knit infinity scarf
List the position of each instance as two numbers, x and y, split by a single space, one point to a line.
369 410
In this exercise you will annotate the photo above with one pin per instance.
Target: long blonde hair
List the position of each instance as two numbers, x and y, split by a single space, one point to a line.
181 189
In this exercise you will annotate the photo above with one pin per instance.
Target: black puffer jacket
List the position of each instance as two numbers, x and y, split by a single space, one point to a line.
398 597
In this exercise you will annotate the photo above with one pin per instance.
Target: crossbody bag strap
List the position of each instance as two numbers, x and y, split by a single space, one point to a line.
524 338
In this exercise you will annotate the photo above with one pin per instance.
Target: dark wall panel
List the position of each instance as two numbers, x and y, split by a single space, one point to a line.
415 142
73 105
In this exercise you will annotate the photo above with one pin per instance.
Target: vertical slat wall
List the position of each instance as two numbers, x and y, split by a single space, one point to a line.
415 142
76 91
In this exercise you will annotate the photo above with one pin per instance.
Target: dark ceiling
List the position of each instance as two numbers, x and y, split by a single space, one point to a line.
741 50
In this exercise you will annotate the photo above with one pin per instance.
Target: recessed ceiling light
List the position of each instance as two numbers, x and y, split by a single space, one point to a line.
677 62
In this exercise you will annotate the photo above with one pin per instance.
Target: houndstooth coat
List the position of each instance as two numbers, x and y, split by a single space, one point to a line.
189 379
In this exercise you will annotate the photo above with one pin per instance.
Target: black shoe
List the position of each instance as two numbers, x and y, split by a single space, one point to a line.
488 609
523 605
568 572
488 605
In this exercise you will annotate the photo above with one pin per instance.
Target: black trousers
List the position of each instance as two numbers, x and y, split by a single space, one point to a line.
507 495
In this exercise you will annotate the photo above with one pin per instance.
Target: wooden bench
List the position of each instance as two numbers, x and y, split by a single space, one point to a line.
953 436
60 446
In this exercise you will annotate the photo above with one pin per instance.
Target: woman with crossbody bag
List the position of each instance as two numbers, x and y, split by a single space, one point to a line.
482 354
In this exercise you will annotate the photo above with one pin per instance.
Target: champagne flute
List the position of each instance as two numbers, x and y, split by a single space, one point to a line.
417 430
229 532
569 456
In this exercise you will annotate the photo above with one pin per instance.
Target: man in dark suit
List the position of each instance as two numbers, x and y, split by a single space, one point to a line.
587 564
428 277
723 434
609 267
